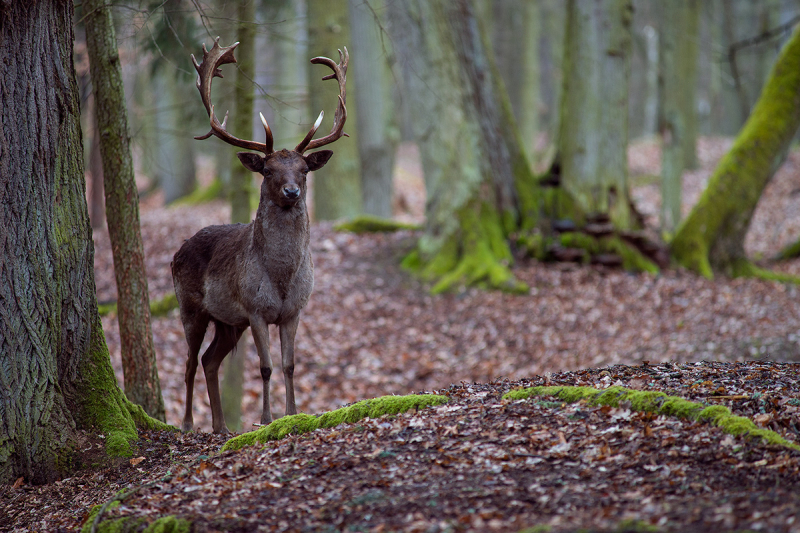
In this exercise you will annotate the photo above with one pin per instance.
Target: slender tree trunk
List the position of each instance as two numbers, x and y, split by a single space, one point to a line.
672 123
122 210
338 193
98 204
55 373
240 191
376 135
689 45
712 237
594 124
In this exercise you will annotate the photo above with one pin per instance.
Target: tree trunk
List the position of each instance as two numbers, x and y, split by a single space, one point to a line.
712 237
122 210
338 193
515 30
98 204
376 135
672 120
55 373
594 124
688 54
479 184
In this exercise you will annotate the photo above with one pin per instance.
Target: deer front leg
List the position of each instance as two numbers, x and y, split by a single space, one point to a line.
288 331
260 331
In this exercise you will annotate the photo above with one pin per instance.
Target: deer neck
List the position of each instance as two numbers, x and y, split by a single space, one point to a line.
280 236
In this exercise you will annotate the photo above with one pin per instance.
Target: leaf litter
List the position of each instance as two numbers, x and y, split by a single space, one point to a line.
478 463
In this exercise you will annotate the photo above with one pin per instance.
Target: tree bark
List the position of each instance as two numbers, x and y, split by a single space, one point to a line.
594 124
376 135
672 120
338 193
689 46
122 211
55 373
712 237
480 188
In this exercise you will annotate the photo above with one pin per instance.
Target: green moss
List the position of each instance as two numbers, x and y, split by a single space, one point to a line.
632 259
303 423
157 307
533 244
202 195
163 306
742 268
660 403
789 252
373 224
169 524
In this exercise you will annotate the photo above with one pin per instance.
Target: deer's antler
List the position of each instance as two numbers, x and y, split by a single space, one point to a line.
206 72
340 74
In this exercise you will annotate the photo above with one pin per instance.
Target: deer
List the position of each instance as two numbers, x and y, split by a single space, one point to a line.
252 275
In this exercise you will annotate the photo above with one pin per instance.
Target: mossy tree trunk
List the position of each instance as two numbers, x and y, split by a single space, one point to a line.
122 211
337 193
480 187
594 109
712 236
240 191
55 373
377 136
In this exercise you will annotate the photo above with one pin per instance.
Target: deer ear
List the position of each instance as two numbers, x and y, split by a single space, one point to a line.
252 162
317 160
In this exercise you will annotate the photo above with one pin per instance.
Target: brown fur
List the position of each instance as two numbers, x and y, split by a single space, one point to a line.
249 275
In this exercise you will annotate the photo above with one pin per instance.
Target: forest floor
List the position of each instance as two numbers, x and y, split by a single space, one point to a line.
479 462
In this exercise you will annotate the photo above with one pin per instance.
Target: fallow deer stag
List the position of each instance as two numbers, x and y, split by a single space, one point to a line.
240 275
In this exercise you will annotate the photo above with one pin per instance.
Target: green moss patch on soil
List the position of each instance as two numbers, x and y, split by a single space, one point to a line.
660 403
303 423
373 224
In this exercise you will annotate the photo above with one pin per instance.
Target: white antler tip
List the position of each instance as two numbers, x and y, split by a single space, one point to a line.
319 119
263 120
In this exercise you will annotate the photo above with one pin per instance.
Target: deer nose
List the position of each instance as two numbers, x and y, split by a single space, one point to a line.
291 193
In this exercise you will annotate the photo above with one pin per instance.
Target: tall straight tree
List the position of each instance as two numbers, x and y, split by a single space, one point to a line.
240 191
338 194
122 211
377 135
56 379
712 236
594 109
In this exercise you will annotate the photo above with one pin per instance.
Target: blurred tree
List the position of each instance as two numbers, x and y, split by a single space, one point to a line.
174 24
515 29
376 133
594 114
57 385
240 191
712 236
338 193
122 211
481 190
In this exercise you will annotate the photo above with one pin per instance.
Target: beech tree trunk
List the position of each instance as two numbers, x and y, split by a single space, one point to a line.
712 236
377 137
55 373
480 188
594 108
122 211
337 194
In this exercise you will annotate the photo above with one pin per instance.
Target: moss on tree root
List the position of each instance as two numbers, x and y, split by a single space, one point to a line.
303 423
157 307
373 224
103 404
477 255
660 403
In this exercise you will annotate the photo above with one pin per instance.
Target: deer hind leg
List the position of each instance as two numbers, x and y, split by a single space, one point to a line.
288 331
194 331
225 339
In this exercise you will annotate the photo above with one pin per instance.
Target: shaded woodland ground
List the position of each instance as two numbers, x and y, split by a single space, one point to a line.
480 463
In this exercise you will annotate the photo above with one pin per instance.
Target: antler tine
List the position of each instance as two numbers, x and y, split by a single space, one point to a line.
206 72
337 130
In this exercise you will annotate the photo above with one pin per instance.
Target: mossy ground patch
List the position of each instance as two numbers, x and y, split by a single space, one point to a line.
660 403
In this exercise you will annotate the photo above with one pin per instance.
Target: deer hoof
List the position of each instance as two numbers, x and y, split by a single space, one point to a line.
187 426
